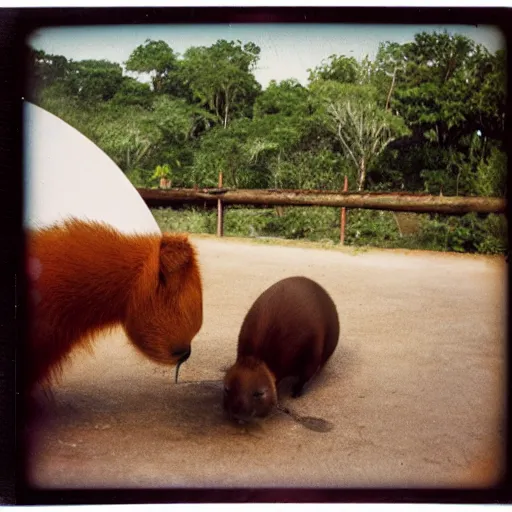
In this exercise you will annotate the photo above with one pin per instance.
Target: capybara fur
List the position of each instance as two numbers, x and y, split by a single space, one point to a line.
85 277
290 331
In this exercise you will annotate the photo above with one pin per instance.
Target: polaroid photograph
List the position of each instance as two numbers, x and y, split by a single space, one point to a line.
264 253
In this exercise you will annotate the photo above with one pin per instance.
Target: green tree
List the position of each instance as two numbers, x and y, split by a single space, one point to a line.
388 69
450 90
435 94
158 60
179 121
337 68
94 80
486 77
128 136
362 128
287 124
45 70
223 150
288 98
221 79
133 92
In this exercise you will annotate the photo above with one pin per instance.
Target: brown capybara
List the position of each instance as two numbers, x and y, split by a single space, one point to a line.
290 331
86 276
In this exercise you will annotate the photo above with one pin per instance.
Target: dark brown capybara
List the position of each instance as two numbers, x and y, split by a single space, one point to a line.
290 331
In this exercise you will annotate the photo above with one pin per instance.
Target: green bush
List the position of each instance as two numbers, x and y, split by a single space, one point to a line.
469 233
371 227
190 220
246 221
310 223
494 239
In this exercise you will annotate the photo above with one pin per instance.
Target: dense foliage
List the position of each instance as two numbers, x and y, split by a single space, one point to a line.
425 116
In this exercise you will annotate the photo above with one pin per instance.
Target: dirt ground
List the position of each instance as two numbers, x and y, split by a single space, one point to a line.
413 396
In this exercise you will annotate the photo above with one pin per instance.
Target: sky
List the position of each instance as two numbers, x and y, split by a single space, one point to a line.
287 50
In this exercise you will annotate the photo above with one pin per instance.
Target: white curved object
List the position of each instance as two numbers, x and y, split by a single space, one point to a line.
65 174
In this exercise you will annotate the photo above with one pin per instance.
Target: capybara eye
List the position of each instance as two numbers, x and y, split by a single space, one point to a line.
226 391
161 278
258 394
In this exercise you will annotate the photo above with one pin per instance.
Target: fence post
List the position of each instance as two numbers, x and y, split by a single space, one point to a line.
220 216
343 215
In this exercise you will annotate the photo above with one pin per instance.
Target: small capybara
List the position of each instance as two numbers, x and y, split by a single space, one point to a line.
290 331
87 276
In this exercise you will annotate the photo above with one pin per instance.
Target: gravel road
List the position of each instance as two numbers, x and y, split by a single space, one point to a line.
413 396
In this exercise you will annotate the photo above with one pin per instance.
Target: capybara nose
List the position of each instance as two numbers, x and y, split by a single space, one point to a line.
182 354
239 409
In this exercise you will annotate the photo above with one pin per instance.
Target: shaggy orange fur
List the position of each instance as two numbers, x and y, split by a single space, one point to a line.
86 276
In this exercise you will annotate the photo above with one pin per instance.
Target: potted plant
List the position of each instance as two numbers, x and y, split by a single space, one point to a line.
163 173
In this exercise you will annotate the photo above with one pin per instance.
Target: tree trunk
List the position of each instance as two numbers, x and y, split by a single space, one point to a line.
226 110
388 100
362 174
216 108
419 203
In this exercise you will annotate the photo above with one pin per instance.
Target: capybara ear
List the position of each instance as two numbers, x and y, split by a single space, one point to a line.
175 253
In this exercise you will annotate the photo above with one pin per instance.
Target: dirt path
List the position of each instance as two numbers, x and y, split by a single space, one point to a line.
414 393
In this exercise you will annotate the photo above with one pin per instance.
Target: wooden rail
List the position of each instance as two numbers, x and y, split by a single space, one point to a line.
399 202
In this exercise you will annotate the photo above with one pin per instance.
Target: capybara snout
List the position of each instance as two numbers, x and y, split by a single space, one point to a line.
182 354
252 395
166 308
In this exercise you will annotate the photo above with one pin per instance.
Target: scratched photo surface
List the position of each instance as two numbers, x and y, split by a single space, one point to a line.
414 392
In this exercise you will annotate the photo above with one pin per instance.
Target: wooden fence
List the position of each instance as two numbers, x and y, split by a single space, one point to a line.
397 202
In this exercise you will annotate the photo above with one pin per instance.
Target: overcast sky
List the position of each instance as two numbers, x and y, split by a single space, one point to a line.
287 50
